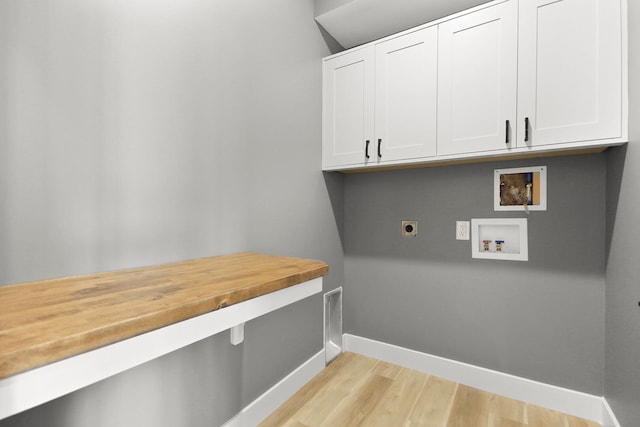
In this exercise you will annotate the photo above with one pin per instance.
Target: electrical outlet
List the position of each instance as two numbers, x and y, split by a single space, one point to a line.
409 228
462 230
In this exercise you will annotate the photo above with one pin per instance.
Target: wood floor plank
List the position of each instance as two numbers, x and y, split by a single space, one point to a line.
400 399
313 395
470 408
495 421
344 375
352 410
308 392
434 403
387 370
355 390
507 409
542 417
292 423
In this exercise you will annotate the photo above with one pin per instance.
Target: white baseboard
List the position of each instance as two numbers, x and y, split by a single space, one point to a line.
583 405
270 400
608 417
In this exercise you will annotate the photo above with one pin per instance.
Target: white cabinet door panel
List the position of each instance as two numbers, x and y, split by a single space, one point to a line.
477 62
570 71
406 96
348 107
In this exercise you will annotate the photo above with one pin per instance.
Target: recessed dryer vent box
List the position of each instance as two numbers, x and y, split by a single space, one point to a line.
499 238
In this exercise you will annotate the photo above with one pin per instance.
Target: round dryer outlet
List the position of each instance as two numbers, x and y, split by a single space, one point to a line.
409 228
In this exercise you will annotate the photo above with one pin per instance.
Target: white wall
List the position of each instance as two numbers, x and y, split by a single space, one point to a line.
122 124
136 132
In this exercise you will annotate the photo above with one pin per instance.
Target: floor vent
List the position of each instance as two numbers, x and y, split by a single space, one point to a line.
332 324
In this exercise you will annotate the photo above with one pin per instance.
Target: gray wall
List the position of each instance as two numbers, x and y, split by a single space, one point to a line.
324 6
542 319
134 133
622 372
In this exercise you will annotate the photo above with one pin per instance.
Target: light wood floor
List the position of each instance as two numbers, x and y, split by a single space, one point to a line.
356 390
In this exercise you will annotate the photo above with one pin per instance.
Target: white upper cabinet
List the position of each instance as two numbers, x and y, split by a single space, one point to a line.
348 85
569 71
477 80
380 102
510 77
406 96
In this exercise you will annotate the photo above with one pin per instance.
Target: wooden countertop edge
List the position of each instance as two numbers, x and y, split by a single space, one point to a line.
36 356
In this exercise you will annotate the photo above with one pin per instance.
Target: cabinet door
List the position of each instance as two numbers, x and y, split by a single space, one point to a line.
406 96
477 63
570 71
348 108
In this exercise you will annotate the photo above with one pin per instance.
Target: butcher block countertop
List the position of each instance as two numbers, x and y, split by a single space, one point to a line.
47 321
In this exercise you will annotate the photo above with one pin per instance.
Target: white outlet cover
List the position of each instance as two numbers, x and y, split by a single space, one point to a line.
462 230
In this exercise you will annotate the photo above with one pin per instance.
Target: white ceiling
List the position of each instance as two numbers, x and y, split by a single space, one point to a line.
361 21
